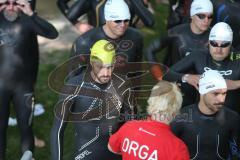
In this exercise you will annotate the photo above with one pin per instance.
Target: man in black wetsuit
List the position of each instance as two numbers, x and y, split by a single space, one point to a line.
18 66
127 40
209 128
219 57
95 11
93 102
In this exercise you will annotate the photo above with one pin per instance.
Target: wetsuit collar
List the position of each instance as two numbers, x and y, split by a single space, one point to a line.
206 115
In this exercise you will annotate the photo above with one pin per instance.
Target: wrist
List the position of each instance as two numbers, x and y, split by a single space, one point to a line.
184 78
33 14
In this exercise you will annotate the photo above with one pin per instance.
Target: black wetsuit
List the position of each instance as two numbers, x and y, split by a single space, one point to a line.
95 10
18 72
208 137
200 62
94 109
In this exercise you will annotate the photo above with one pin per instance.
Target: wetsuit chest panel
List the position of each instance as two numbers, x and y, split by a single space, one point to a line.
207 137
185 42
20 55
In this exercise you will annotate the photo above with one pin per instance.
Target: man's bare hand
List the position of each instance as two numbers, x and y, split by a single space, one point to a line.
25 7
83 27
3 1
2 4
193 80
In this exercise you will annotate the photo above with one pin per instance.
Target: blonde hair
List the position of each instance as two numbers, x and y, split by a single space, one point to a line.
165 100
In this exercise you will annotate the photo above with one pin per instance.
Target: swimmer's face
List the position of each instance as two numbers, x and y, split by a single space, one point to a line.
101 73
117 28
12 10
11 6
201 22
214 100
219 50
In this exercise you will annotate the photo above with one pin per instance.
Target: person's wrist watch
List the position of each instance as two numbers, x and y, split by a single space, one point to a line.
184 78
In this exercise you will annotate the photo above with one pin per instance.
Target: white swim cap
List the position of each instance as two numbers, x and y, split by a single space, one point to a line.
201 6
221 32
211 80
116 10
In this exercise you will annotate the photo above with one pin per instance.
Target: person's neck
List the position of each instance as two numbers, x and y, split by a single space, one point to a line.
204 109
194 29
109 33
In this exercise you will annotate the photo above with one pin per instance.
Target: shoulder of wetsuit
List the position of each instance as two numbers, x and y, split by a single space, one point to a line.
180 29
87 39
78 78
90 35
230 113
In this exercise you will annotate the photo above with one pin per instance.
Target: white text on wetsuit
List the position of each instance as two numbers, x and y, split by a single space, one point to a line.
140 151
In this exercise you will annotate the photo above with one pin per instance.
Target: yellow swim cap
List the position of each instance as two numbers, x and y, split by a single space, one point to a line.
103 51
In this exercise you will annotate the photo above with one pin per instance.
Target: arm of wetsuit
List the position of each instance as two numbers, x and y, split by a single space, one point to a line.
173 16
79 8
180 68
43 28
139 49
59 124
56 140
144 14
150 54
62 5
156 46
